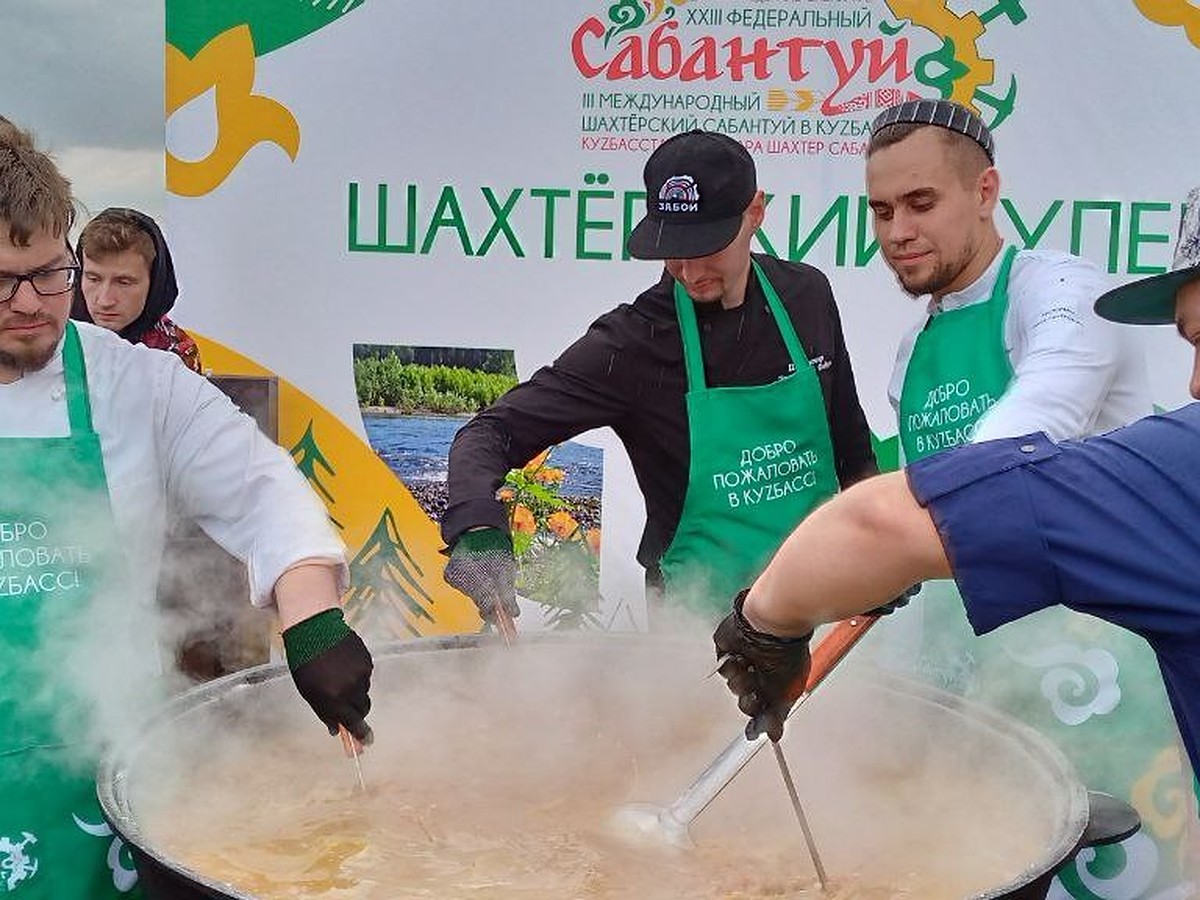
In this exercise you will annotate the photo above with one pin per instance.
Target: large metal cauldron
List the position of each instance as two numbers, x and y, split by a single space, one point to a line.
901 781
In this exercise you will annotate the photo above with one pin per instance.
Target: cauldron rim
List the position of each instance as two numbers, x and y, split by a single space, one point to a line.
112 774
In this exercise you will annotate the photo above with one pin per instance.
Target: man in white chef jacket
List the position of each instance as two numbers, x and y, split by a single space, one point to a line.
97 438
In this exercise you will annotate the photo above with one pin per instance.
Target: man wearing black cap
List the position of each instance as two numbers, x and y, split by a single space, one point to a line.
728 382
1010 343
1105 525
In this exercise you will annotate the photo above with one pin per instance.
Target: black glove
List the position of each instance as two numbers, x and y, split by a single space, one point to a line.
901 601
332 670
767 673
482 567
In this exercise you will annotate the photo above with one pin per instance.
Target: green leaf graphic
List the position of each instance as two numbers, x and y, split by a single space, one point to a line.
273 23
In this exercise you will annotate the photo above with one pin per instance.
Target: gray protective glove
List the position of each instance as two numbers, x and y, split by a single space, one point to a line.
765 672
482 567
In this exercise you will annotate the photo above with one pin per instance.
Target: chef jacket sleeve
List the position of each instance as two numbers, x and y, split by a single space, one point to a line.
1064 356
239 486
580 391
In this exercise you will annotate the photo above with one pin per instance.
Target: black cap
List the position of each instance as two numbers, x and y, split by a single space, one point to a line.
1151 301
698 184
943 113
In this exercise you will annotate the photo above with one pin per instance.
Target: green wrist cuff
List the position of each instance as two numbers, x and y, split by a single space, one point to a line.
483 539
308 639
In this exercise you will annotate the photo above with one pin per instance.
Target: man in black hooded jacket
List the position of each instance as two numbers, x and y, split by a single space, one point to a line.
128 284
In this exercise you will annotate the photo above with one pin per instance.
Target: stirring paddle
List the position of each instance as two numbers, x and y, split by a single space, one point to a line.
670 824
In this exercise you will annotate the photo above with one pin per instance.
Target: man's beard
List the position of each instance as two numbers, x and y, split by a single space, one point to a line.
29 359
27 362
940 278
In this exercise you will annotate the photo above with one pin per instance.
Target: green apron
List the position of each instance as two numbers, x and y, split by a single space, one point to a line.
954 376
761 460
55 548
1090 686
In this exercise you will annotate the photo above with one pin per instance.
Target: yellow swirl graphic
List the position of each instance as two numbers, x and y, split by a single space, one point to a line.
226 66
657 7
1162 795
1173 13
963 31
367 503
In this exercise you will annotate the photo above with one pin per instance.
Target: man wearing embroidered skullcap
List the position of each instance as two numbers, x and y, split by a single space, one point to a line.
1011 331
1007 342
731 356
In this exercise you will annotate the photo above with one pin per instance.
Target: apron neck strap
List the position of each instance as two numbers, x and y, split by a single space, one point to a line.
999 294
1000 288
689 330
79 408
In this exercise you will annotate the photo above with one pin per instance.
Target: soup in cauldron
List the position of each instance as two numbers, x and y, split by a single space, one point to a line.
496 773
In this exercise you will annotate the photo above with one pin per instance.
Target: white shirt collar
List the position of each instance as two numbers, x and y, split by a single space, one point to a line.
33 405
978 291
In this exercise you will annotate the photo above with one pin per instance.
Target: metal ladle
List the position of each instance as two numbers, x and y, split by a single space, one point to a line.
669 824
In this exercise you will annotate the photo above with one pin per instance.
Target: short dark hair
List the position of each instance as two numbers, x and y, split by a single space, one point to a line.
34 195
115 231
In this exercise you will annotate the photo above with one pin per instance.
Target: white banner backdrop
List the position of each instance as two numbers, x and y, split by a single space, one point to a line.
465 97
507 140
463 174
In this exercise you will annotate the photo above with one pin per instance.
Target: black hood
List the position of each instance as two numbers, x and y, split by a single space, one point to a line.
163 287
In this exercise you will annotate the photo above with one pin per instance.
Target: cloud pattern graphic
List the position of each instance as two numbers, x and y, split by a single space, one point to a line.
1077 682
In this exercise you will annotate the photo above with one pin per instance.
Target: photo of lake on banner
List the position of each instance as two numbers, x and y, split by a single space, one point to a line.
415 447
413 401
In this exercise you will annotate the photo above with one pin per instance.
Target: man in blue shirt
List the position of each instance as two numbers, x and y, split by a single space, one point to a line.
1106 525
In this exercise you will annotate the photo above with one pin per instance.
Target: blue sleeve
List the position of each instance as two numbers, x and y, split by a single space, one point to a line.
1106 525
977 499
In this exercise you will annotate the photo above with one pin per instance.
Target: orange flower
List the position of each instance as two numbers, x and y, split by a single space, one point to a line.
593 539
562 524
523 520
505 494
549 475
537 462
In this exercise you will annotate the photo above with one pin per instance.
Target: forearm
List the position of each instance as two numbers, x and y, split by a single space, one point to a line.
305 589
859 551
549 408
478 461
241 488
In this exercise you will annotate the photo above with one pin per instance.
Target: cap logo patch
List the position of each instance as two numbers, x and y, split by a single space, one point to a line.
679 193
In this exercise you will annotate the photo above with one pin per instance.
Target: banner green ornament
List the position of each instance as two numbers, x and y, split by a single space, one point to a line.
191 24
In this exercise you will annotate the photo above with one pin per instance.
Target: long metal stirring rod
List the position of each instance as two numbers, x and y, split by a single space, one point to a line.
795 798
352 750
505 624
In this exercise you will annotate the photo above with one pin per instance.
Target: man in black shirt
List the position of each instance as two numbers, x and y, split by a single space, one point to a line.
728 382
